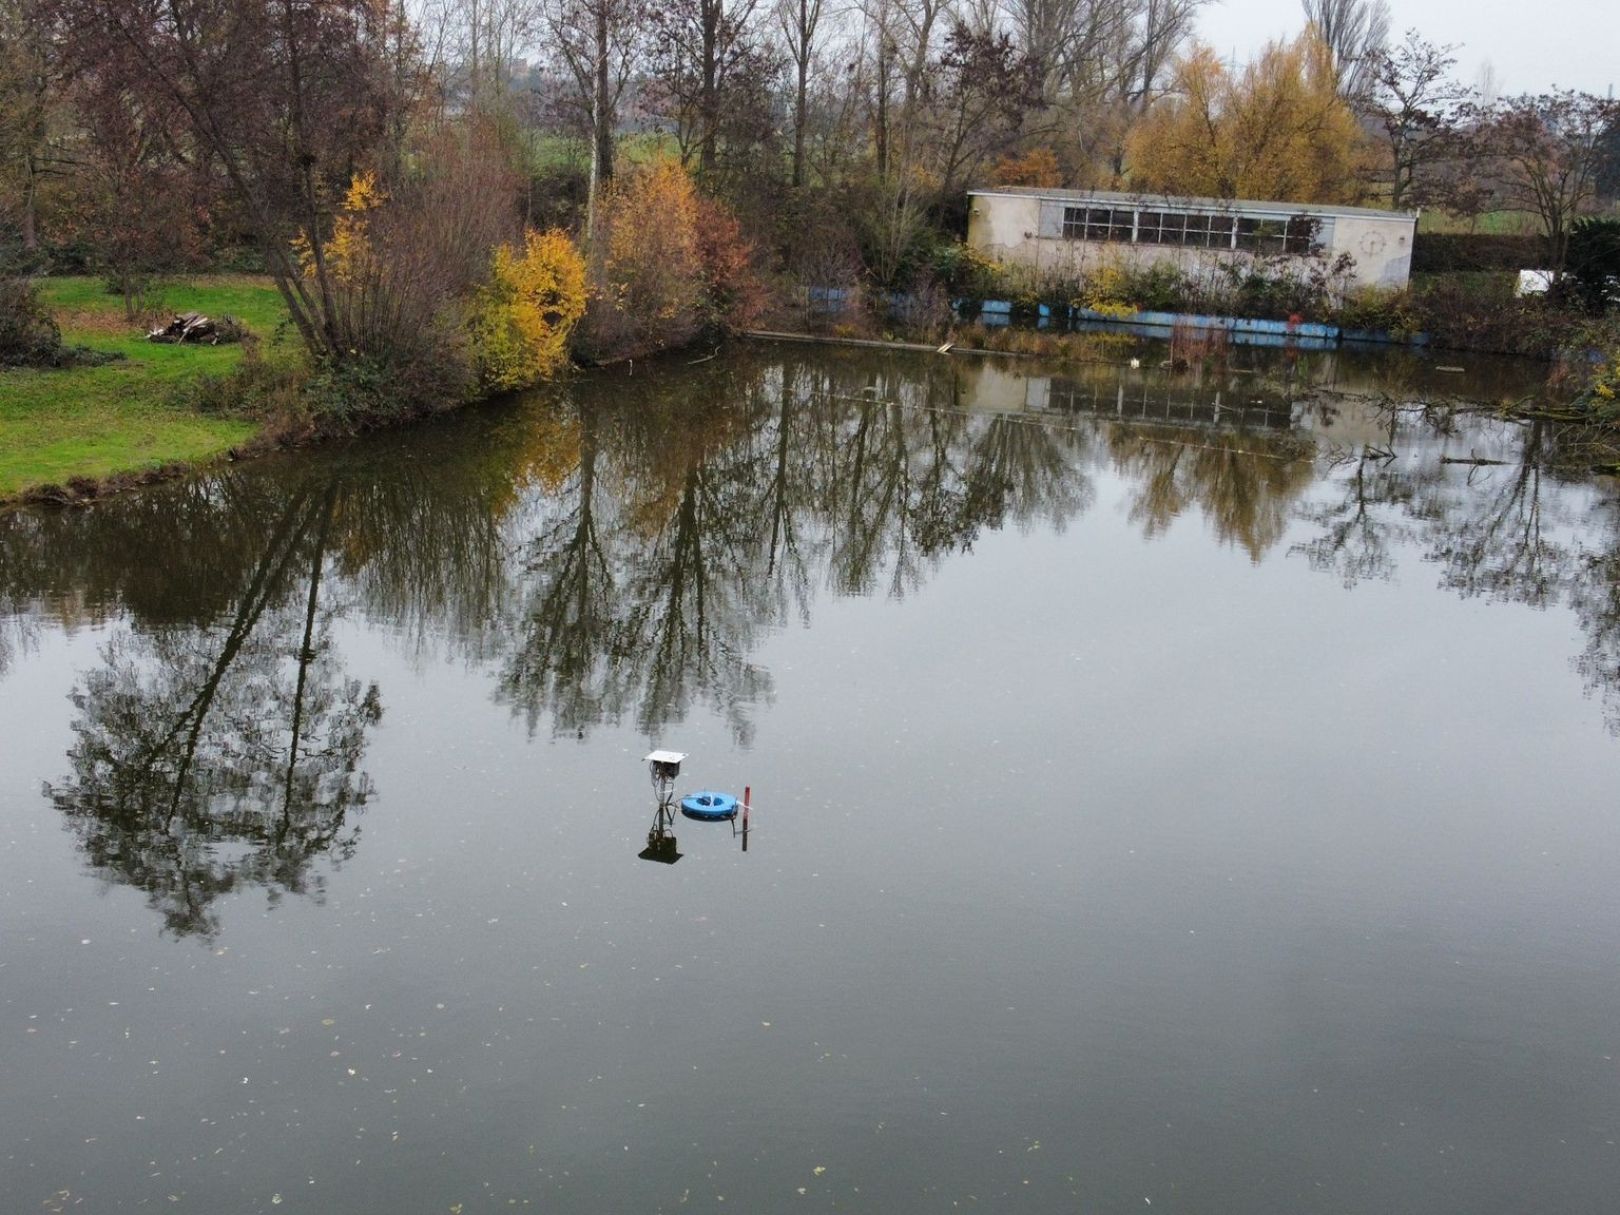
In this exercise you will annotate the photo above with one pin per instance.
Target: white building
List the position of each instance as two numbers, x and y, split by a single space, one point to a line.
1075 230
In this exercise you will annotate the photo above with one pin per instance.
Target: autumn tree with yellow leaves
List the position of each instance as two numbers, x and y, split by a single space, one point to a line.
1277 130
347 254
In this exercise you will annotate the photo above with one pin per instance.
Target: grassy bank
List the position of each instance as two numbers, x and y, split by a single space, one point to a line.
121 417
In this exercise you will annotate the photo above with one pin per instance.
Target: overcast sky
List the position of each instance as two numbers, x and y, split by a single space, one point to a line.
1533 46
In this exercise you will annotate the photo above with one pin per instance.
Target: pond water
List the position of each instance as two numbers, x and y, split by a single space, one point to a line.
1170 792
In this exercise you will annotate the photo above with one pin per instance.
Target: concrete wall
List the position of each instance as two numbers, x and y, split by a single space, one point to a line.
1020 230
1004 226
1382 248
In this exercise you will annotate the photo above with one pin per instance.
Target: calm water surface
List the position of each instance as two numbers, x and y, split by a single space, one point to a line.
1172 793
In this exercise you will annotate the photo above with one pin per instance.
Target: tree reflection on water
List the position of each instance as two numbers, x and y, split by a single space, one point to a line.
1520 525
616 553
211 757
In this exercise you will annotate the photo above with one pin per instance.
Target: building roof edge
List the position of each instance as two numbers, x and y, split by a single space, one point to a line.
1169 201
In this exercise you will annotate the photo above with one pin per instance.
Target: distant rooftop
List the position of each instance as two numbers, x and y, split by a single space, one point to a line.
1173 201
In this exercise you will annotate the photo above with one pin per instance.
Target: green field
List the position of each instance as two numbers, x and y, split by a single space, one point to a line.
121 417
1492 223
546 151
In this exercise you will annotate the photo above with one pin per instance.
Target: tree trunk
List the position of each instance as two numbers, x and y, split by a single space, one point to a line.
880 137
30 213
713 14
602 120
800 109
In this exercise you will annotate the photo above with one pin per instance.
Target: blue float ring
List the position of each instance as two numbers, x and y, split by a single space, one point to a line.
708 806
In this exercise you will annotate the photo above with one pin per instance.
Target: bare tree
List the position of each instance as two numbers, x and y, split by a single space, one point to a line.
836 116
31 135
480 42
799 22
905 31
285 96
983 86
1101 62
711 71
600 42
137 191
1079 43
1352 31
1546 151
1416 104
1161 28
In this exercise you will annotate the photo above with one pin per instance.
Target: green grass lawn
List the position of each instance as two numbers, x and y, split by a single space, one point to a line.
121 417
1493 223
551 151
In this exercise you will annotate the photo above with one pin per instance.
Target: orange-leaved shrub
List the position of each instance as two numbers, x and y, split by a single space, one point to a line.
666 265
735 296
523 317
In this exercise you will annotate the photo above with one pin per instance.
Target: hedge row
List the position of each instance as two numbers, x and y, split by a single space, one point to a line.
1446 252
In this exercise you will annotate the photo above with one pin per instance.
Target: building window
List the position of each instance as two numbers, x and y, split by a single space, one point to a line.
1210 231
1098 223
1193 230
1190 229
1303 235
1298 235
1221 228
1260 235
1162 227
1110 223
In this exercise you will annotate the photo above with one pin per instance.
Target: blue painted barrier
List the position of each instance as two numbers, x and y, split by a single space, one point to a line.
1250 331
1381 337
1231 324
828 299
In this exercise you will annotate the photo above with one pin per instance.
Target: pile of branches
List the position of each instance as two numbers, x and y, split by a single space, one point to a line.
194 327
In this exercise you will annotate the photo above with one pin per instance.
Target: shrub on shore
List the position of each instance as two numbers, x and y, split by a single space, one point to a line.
28 334
1604 392
1266 287
415 281
523 317
666 265
513 333
400 262
646 270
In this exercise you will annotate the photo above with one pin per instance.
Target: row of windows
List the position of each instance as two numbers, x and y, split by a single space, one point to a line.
1191 230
